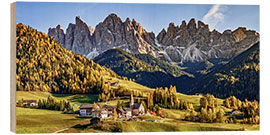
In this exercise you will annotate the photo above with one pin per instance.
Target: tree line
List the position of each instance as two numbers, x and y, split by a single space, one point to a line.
210 111
52 104
167 98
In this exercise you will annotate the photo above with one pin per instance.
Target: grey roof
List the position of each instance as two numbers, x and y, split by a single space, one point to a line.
137 105
29 101
87 106
109 107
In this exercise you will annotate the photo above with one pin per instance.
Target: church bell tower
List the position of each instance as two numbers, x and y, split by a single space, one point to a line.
131 103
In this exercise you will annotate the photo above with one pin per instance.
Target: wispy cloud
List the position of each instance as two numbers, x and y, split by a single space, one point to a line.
215 15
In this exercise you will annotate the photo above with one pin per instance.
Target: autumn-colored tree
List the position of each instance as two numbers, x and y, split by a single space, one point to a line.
95 105
114 114
220 116
42 64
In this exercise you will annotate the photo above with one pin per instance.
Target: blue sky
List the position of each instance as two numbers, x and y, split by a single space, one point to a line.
153 17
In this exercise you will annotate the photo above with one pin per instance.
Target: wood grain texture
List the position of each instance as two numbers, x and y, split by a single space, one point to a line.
13 67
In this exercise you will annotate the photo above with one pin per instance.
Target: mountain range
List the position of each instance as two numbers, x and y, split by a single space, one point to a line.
189 56
188 42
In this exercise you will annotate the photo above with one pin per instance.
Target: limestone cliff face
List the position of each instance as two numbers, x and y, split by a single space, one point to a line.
77 38
57 33
69 38
111 33
195 42
82 42
128 35
192 41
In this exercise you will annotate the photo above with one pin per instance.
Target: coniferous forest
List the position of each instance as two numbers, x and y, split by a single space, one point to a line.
44 65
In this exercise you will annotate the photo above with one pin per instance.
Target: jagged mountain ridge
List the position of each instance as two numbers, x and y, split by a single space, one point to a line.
190 42
111 33
195 42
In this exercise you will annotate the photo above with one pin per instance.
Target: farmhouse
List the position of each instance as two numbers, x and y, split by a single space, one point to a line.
128 113
124 113
86 109
104 114
31 103
109 108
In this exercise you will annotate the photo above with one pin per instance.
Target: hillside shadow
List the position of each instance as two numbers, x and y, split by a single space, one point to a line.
79 126
160 79
61 95
85 99
80 98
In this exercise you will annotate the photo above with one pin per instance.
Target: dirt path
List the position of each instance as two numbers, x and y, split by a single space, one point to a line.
61 130
67 128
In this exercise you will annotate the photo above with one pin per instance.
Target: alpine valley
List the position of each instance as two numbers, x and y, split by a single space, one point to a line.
118 77
181 55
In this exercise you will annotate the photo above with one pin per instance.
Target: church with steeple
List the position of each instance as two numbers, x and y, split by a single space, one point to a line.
136 108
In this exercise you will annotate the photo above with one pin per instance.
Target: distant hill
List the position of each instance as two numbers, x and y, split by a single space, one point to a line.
145 69
239 77
167 67
44 65
203 67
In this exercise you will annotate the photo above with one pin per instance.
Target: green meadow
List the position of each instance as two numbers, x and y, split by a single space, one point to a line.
43 121
48 121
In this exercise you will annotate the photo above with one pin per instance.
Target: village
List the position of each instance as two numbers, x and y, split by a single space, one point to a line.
96 111
107 111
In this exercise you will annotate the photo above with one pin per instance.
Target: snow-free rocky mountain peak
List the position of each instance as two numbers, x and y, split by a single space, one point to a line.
111 33
188 42
195 42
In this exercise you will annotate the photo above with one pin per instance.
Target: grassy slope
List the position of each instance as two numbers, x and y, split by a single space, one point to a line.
129 84
76 100
26 116
37 120
43 121
194 99
162 125
46 121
